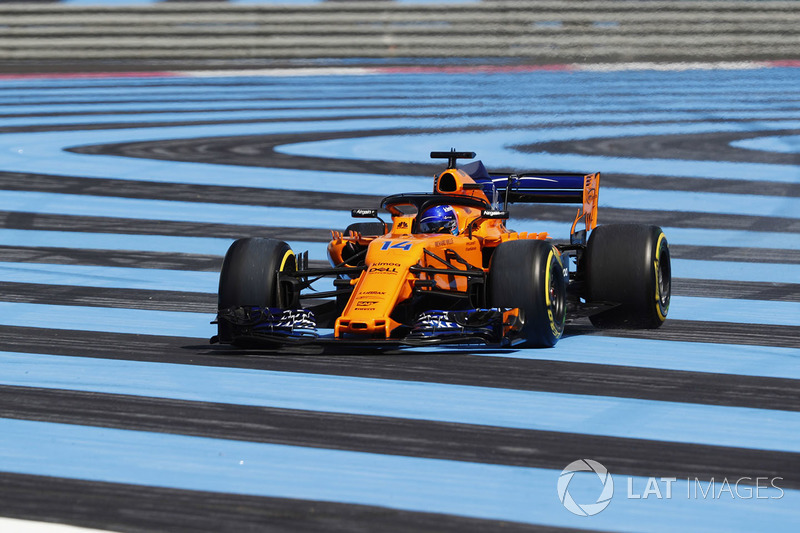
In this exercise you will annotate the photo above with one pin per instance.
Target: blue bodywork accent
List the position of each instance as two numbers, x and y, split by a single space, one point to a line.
470 325
270 321
535 188
544 187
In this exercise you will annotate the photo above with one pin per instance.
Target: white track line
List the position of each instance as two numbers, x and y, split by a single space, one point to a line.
27 526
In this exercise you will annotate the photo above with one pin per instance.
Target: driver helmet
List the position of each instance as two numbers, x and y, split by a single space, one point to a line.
439 219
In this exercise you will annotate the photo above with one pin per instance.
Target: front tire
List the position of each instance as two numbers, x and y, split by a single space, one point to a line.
529 275
629 265
249 277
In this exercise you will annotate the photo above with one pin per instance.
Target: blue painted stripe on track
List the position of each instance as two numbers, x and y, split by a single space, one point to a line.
105 206
115 241
496 149
317 250
110 277
735 271
94 318
787 144
208 113
707 86
728 310
43 152
109 320
24 154
131 242
765 361
477 490
700 202
193 281
732 238
210 103
80 205
570 413
558 110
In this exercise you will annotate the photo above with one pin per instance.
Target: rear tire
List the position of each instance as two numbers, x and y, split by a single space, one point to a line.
249 277
529 275
629 264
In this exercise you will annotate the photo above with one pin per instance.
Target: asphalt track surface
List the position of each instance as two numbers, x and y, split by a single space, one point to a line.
120 195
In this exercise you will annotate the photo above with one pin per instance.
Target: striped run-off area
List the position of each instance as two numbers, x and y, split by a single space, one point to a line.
120 194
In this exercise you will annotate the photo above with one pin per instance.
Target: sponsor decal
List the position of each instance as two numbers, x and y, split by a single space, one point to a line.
383 270
495 214
364 213
444 242
401 245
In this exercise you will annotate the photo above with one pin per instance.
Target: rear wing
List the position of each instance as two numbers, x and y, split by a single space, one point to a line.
549 188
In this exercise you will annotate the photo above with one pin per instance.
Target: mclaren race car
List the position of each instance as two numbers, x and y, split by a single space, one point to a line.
447 270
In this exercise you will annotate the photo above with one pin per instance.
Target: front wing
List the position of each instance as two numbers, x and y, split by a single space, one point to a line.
286 327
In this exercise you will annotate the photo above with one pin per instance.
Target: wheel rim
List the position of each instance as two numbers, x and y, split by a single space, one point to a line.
663 276
284 293
557 304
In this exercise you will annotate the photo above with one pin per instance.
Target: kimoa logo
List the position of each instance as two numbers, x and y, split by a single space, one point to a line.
585 509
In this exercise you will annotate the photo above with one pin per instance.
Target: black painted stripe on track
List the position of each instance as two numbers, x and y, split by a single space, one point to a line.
396 436
184 192
198 302
735 254
101 126
406 86
35 221
268 104
35 293
687 219
727 186
112 258
682 146
213 263
333 200
259 196
714 332
261 153
236 228
143 509
741 290
444 367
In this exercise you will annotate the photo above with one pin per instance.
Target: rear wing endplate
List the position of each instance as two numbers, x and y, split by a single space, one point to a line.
549 188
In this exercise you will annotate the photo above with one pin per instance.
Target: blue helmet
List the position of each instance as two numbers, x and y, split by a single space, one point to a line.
439 219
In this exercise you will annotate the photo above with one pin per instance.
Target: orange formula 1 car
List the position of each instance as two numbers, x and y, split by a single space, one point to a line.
446 270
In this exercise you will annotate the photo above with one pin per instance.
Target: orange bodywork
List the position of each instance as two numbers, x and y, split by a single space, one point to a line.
387 279
588 210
